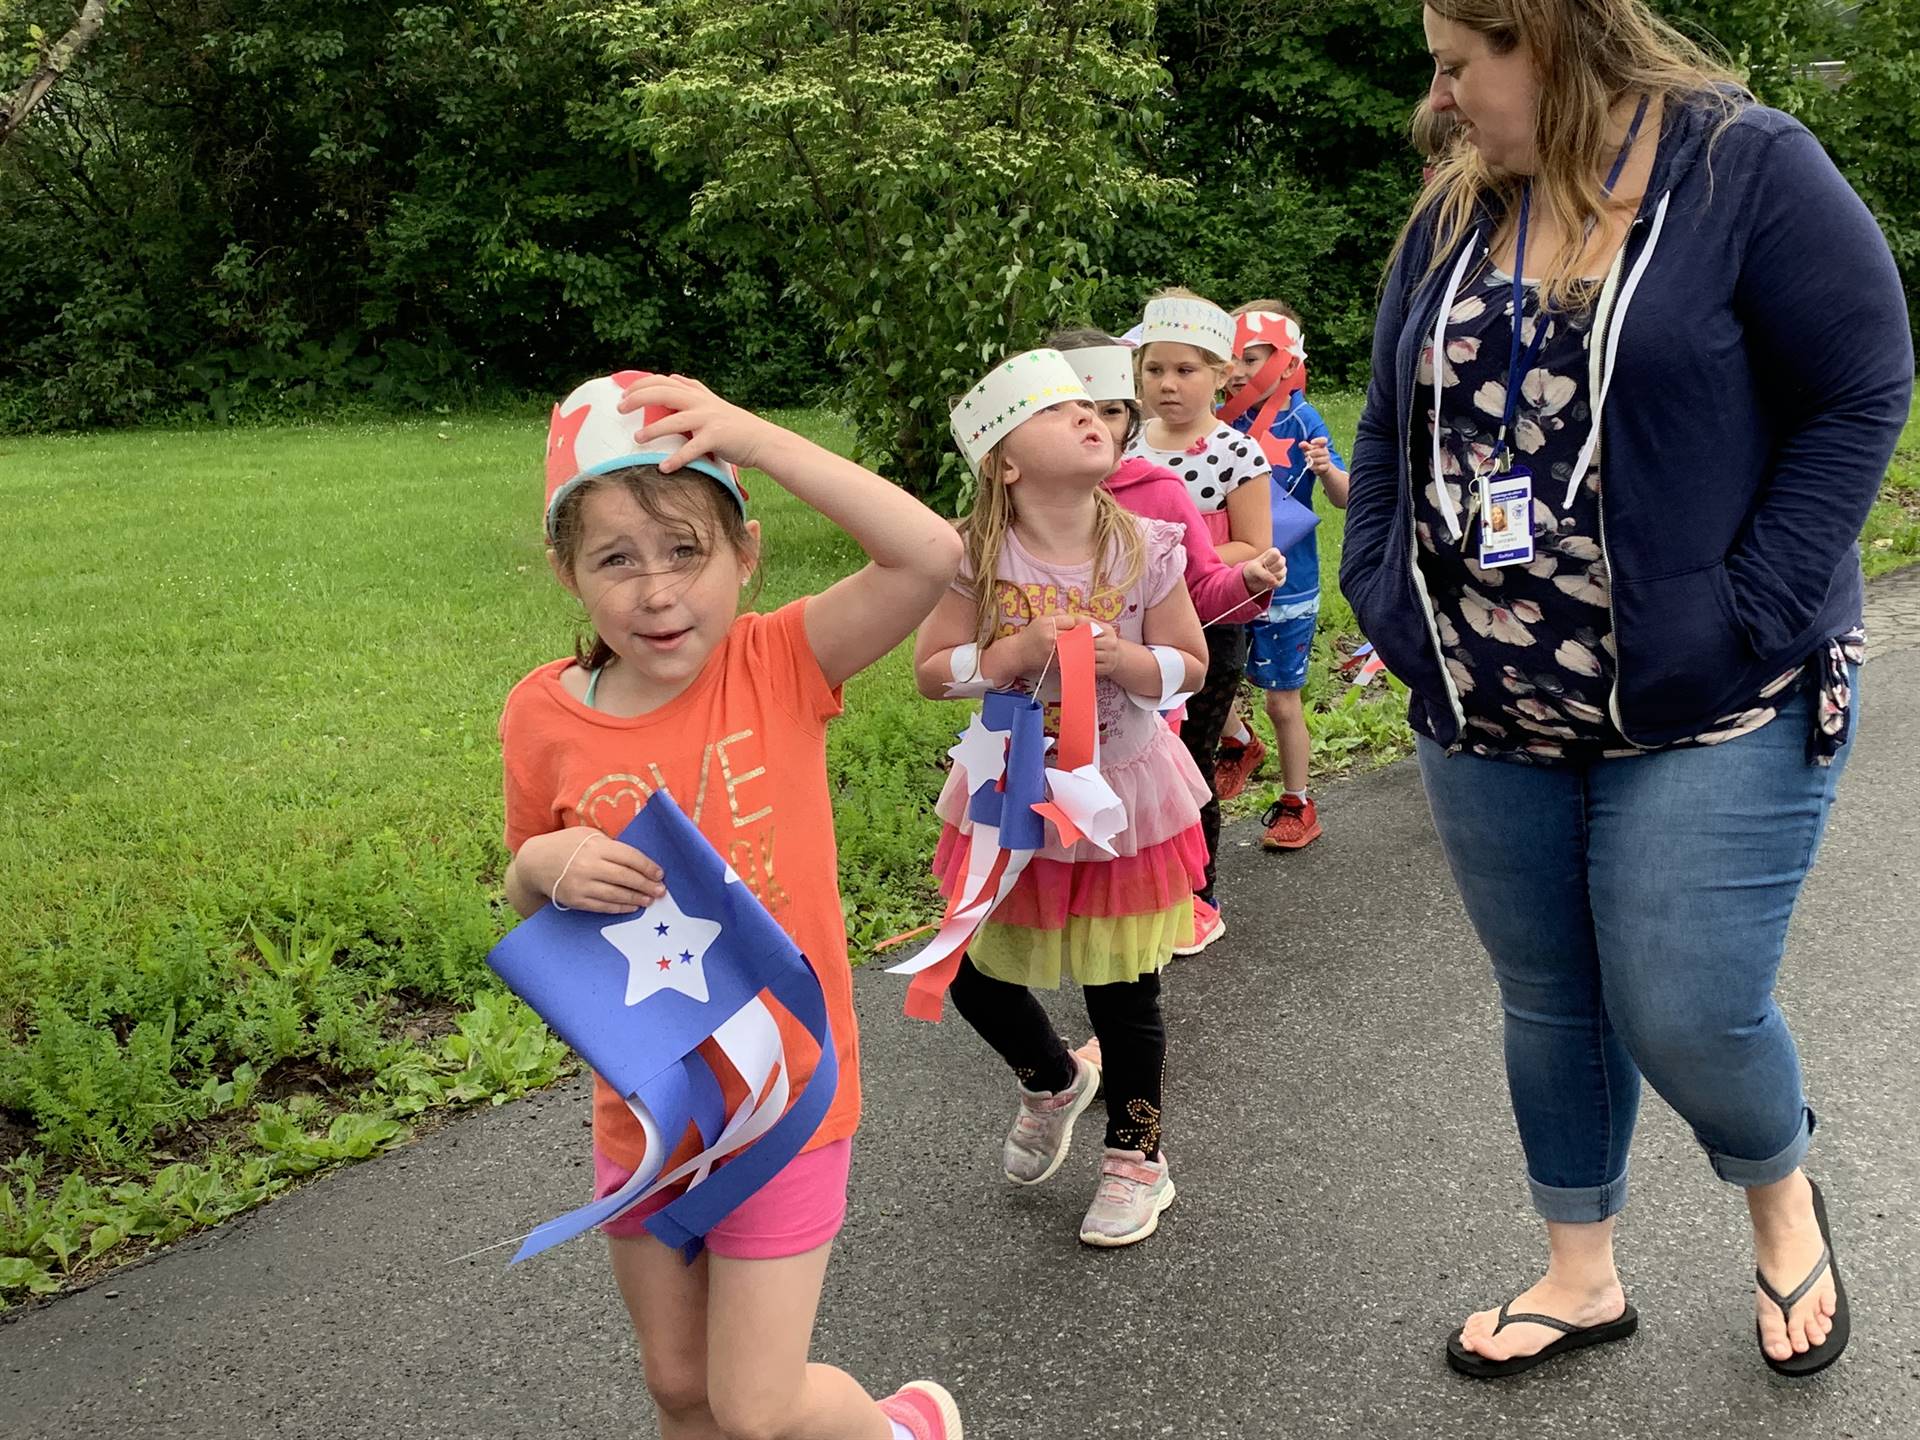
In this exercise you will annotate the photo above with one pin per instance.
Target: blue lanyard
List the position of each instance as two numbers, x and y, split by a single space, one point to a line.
1518 363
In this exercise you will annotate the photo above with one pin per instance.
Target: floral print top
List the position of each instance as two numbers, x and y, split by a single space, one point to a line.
1530 648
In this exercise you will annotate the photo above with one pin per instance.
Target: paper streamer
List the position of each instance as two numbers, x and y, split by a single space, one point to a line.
1009 811
637 996
1271 372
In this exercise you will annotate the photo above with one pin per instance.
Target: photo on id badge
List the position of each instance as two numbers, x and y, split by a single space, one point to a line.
1506 521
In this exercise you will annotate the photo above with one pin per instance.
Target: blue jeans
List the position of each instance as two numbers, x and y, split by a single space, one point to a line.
1636 911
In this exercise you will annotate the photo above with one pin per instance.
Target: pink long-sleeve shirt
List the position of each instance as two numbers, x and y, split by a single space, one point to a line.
1217 588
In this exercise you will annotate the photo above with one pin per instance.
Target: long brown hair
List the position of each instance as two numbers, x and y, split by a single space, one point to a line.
1116 537
1587 56
685 500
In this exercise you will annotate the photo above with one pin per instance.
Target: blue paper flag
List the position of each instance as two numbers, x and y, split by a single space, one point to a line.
1009 805
636 995
1292 521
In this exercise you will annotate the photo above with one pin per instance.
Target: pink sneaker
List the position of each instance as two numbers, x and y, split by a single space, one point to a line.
1126 1208
1208 926
1043 1126
926 1409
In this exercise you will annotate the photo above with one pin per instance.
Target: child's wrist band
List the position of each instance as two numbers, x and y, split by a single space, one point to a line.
963 663
1173 670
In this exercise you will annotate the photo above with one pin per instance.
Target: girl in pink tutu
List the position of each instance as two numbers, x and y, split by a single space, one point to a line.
1049 550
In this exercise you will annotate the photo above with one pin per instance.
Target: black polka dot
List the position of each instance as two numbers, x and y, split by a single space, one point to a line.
1193 477
1213 459
1206 492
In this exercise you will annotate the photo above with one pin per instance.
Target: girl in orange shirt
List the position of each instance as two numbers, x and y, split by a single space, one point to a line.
646 525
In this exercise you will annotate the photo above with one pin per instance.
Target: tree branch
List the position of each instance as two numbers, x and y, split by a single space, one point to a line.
58 58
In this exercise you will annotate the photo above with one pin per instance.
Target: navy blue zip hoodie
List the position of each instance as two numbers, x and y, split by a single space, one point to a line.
1762 378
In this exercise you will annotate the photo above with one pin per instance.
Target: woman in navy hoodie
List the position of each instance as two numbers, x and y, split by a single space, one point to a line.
1614 557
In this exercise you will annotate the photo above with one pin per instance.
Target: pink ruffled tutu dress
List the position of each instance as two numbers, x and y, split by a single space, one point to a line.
1078 912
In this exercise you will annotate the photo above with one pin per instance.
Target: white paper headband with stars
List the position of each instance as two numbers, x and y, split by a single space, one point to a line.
1106 371
1013 392
1199 323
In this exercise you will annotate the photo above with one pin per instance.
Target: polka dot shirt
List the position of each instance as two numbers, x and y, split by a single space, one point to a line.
1213 467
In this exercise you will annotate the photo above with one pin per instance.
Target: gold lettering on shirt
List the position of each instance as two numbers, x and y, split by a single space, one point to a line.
733 783
1025 603
612 800
619 797
752 861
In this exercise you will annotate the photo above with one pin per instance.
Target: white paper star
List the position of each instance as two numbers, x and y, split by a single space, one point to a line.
981 753
666 949
1090 802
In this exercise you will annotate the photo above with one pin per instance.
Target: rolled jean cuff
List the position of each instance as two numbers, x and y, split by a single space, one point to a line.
1584 1205
1748 1173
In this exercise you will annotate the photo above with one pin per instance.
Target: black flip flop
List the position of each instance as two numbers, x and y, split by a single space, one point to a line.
1813 1361
1572 1337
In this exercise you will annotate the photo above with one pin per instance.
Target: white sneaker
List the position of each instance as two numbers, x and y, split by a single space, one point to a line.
1126 1208
1043 1128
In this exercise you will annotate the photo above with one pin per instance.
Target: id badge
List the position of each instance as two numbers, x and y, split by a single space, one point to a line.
1506 520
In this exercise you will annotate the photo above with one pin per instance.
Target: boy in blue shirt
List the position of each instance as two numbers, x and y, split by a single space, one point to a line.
1297 443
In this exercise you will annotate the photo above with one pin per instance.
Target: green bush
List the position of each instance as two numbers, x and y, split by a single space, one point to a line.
934 182
232 209
238 209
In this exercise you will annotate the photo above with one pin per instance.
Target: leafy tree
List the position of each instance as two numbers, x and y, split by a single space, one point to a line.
935 180
51 58
238 206
1291 123
1866 121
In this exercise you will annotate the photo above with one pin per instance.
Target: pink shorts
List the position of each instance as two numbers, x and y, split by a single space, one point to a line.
800 1209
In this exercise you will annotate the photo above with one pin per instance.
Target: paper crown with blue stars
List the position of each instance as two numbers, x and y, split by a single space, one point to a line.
1013 392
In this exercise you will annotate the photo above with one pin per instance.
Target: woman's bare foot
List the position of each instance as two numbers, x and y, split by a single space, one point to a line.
1786 1247
1578 1305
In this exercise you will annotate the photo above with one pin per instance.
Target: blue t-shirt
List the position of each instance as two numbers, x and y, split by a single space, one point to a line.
1298 423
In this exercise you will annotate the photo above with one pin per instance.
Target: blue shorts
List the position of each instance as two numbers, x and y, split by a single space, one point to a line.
1282 643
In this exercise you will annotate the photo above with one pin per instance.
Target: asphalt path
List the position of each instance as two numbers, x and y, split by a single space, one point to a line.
1350 1186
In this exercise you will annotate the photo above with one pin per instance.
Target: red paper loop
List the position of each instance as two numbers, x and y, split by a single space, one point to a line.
1074 747
1277 366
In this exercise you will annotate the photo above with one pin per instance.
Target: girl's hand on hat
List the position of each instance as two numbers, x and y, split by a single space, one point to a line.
1106 650
712 426
583 868
1266 571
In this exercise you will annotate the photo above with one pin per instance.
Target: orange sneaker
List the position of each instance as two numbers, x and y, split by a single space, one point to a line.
1237 764
1208 926
1291 824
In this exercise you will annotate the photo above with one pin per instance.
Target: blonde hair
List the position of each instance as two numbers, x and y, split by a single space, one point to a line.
1272 307
1587 57
1116 536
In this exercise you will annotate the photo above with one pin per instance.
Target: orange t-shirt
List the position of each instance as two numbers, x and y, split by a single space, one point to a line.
743 752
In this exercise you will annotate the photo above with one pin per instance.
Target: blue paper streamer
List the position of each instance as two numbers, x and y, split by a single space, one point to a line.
561 964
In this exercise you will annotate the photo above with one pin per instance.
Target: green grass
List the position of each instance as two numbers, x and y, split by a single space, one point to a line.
250 853
249 859
1892 535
